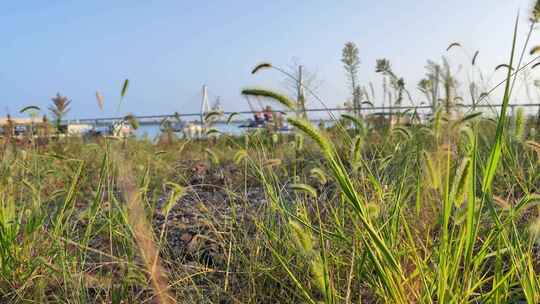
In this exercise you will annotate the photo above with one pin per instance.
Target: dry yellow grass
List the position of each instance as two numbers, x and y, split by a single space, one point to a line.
142 230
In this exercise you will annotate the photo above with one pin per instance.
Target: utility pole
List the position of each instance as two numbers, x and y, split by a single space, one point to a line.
301 96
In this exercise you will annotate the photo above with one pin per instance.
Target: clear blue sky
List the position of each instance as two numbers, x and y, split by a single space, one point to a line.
168 49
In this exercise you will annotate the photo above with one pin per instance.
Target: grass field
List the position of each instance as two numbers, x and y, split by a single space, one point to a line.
414 213
443 211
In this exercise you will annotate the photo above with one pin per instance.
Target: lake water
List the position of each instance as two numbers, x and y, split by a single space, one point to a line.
152 131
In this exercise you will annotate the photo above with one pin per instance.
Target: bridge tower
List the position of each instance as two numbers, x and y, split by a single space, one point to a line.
205 107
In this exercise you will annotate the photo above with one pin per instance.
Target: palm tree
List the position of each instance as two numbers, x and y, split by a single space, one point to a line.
60 107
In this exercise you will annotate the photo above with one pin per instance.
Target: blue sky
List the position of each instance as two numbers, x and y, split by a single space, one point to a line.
168 49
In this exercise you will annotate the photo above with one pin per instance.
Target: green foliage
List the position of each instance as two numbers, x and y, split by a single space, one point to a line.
132 121
519 125
29 108
60 107
124 88
261 66
280 98
304 188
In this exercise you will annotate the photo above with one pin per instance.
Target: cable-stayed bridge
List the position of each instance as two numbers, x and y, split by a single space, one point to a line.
322 114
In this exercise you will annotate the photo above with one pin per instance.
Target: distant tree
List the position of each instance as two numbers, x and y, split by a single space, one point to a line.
450 85
440 86
309 78
398 83
351 63
166 127
430 84
59 108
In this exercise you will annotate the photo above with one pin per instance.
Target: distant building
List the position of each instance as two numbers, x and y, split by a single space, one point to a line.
21 125
20 121
17 126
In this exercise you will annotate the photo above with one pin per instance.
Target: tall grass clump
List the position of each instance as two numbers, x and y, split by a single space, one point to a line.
416 218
